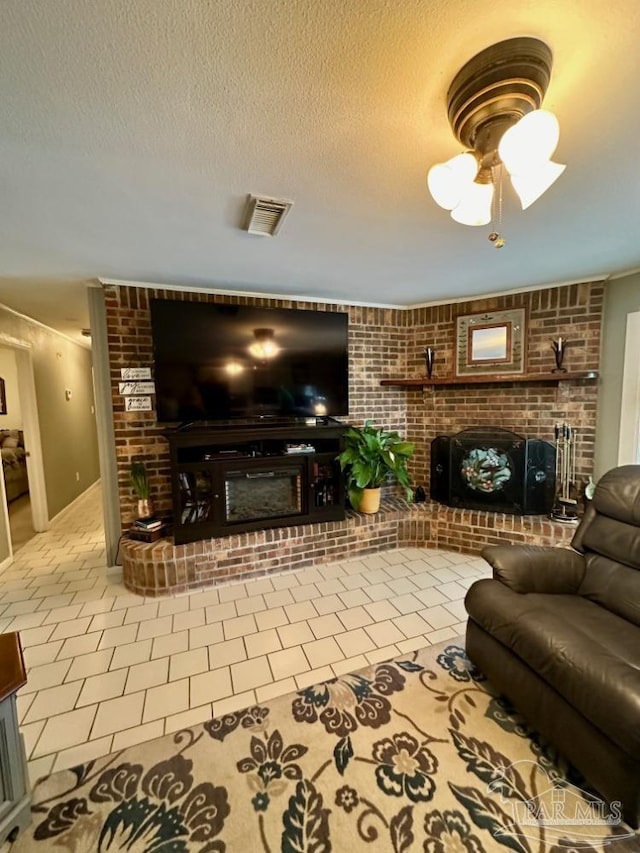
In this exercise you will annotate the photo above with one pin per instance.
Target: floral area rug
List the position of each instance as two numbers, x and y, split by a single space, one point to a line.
410 755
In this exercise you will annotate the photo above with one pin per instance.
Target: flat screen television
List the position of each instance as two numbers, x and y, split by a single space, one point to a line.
223 362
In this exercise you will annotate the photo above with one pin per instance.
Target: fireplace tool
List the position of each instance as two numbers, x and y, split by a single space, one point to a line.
565 506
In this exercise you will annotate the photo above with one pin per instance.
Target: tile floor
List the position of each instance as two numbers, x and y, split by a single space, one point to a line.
108 669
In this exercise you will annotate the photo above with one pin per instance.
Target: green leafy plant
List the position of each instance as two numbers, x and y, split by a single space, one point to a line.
139 479
371 457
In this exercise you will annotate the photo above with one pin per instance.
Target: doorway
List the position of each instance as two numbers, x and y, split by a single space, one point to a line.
629 439
14 454
24 506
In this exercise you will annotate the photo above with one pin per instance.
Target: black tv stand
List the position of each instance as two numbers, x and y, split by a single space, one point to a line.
257 423
239 476
326 420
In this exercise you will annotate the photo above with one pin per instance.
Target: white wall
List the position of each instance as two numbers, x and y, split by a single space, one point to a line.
9 372
622 298
629 442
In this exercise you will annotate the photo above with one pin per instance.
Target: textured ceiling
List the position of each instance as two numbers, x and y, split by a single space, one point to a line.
132 131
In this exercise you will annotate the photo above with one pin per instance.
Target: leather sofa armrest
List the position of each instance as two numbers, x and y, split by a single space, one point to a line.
536 568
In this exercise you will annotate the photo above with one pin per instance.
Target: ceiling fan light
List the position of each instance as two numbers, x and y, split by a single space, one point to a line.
530 142
475 205
531 185
493 105
447 181
264 350
264 347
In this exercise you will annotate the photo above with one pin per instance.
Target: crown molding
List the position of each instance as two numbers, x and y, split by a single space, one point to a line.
42 326
221 291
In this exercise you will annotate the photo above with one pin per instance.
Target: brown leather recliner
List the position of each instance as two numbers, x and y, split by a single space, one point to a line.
557 631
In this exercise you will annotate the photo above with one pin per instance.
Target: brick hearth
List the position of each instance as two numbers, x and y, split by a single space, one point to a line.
162 568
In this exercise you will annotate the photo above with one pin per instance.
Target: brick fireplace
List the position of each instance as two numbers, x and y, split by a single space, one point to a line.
573 312
385 343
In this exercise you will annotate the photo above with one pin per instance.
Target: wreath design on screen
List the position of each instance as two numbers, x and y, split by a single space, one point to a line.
486 470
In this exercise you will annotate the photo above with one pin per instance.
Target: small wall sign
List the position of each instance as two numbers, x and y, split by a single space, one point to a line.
137 404
128 388
135 373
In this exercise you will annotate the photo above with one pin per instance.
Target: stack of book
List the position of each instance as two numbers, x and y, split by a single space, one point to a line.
146 529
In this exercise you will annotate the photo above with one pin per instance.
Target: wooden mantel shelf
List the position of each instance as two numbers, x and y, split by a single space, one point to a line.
498 379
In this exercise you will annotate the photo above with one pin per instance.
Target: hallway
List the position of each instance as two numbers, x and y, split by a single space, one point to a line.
21 522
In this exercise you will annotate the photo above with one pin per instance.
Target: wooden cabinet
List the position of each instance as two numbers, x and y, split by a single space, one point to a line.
15 800
235 478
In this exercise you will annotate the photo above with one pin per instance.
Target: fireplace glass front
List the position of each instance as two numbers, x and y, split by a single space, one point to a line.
256 494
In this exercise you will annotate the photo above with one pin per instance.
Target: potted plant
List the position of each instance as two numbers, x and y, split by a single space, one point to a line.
372 456
139 479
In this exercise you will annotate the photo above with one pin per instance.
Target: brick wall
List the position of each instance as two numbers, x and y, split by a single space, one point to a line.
387 343
573 312
378 344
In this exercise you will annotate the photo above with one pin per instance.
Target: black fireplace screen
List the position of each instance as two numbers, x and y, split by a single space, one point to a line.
493 469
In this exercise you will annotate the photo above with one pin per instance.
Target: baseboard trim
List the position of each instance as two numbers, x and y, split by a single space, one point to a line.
71 505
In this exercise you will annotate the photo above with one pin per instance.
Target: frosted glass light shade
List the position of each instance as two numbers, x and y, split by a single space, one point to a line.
264 350
475 206
532 184
447 182
264 347
529 143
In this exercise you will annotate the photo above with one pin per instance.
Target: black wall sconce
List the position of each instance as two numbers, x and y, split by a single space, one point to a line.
559 346
429 358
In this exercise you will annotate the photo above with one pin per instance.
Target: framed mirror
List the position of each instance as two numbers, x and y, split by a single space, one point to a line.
490 343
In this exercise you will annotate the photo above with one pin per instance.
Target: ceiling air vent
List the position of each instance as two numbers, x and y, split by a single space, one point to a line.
265 215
